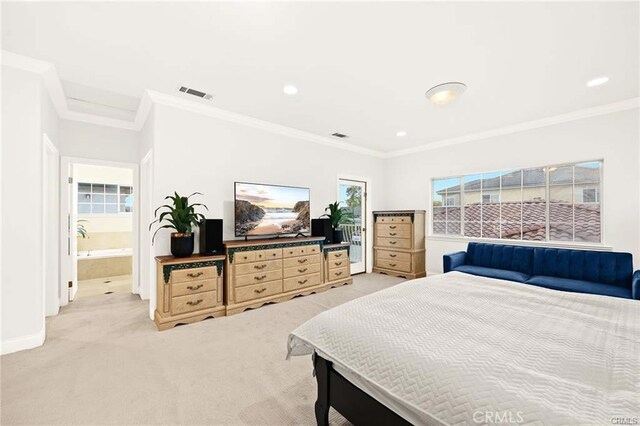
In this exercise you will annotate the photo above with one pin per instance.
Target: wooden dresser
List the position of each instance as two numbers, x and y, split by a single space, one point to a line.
189 289
337 266
399 243
263 271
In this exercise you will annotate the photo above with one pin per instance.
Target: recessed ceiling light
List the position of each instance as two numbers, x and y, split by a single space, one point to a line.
290 89
445 93
401 134
597 81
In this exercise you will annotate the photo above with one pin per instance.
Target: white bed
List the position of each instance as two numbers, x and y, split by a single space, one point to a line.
451 348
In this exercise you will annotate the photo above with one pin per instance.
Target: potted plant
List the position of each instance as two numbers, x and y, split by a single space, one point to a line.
338 216
182 218
82 231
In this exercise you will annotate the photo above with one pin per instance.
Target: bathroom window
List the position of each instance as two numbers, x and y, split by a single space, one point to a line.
102 198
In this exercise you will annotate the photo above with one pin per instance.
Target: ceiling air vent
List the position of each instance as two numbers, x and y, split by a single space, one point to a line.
194 92
340 135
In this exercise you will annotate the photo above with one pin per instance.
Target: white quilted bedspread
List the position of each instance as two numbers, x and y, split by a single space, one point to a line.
461 349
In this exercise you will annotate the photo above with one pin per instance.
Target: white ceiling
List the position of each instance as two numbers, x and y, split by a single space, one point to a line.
361 68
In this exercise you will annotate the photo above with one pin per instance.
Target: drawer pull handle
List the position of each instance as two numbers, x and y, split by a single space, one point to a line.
392 255
392 264
338 273
338 263
393 226
260 278
261 267
302 270
274 255
338 255
192 288
303 281
302 260
192 275
392 242
260 291
393 233
192 303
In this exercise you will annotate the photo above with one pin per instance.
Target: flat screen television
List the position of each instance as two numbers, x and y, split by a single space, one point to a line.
270 209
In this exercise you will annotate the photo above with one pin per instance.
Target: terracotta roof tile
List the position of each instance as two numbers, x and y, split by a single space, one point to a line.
502 220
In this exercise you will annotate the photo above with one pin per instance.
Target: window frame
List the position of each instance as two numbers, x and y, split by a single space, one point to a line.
547 242
104 203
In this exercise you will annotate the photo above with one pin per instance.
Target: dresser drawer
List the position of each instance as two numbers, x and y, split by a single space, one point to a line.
258 277
303 281
336 274
393 255
302 270
395 265
182 289
258 291
271 254
301 260
300 251
393 219
250 268
399 243
337 255
402 230
244 257
338 263
193 302
193 274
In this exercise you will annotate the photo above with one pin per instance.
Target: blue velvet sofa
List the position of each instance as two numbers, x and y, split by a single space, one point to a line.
582 271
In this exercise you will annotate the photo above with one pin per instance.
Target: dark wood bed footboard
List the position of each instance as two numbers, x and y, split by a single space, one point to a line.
355 405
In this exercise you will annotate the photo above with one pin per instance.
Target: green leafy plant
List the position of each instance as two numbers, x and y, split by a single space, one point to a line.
181 215
338 215
82 231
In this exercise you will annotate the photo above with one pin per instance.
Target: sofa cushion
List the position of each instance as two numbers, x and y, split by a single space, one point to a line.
499 256
579 286
502 274
595 266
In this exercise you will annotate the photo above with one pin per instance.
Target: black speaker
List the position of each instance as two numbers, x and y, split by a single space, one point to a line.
322 228
211 236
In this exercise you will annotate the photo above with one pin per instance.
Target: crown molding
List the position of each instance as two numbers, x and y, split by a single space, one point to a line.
221 114
521 127
53 86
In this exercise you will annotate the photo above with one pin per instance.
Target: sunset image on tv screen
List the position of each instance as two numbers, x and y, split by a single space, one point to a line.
269 209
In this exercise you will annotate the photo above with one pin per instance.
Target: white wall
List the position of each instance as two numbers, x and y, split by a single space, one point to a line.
92 141
147 264
22 264
612 137
193 152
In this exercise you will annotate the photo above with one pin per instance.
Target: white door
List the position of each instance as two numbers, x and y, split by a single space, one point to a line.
352 195
69 243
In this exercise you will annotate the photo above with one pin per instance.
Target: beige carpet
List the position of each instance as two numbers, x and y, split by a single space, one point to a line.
104 362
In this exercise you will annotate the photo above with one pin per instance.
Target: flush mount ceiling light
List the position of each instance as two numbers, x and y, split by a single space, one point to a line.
597 81
401 134
290 89
445 93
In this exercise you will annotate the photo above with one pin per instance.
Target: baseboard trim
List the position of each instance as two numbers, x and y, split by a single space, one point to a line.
430 273
22 343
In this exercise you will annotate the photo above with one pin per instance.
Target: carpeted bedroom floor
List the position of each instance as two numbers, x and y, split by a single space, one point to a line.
104 362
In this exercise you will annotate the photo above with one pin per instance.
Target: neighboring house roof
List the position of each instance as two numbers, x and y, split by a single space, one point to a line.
531 178
532 216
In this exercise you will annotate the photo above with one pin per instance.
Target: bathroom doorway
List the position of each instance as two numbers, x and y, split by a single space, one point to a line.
100 250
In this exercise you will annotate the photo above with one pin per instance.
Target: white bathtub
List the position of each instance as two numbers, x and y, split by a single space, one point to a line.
103 254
